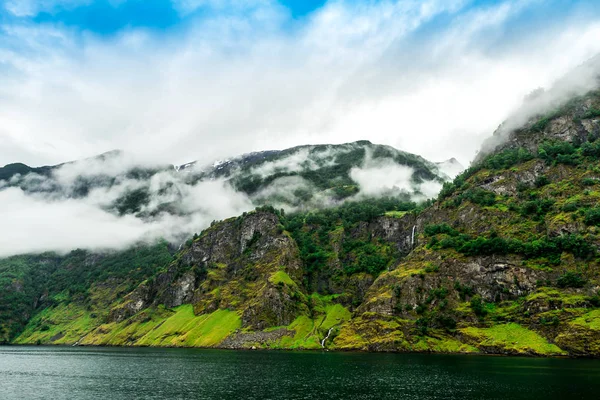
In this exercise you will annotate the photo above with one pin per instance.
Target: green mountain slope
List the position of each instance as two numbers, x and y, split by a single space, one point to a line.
505 261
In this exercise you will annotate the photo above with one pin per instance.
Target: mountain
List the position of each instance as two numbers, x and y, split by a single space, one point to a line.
451 167
505 261
322 173
302 177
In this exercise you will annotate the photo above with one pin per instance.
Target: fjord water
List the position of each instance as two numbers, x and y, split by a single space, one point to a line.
150 373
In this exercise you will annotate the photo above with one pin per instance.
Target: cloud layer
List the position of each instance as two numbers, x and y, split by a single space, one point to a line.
431 77
113 201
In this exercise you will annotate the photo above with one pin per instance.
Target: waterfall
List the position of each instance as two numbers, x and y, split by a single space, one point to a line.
326 337
412 238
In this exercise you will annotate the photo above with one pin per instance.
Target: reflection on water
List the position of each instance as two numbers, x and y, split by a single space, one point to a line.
143 373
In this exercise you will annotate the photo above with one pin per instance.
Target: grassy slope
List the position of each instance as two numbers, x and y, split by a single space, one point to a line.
178 327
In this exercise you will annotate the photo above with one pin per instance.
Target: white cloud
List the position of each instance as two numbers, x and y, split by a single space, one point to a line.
430 189
38 222
30 224
292 163
51 216
237 82
248 78
283 192
381 176
215 199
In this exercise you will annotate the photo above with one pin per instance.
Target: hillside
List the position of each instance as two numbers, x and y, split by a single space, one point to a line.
504 262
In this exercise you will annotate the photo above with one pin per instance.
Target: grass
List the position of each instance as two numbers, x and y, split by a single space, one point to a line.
372 331
63 324
442 345
335 315
512 338
553 294
310 331
590 320
281 278
396 214
179 327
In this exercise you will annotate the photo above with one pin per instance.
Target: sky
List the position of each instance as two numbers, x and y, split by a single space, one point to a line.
181 80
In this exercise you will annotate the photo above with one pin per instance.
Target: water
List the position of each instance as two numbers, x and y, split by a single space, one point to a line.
126 373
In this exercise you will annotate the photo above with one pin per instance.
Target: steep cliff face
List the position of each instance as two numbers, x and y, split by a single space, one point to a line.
247 264
251 268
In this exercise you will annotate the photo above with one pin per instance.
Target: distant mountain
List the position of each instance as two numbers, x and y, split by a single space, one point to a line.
305 177
451 167
326 173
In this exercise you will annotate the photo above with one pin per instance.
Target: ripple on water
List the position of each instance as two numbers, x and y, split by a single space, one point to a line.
142 373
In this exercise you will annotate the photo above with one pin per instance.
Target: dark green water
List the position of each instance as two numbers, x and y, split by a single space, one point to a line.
114 373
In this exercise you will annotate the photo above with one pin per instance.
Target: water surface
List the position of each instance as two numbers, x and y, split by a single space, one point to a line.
144 373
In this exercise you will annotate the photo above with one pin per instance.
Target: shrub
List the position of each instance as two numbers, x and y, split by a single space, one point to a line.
592 216
570 207
595 300
478 306
445 321
507 158
431 230
550 248
447 190
591 149
589 181
571 280
537 208
430 268
541 180
480 196
550 321
591 113
463 290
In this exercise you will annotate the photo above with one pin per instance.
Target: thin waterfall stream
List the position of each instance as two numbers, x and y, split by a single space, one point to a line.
326 337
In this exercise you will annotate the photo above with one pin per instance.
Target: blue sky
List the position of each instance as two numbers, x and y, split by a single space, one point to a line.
108 17
178 80
105 17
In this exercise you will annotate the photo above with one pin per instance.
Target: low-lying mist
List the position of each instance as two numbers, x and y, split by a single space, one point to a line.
113 201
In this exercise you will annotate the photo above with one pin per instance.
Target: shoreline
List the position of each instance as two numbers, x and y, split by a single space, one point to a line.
356 351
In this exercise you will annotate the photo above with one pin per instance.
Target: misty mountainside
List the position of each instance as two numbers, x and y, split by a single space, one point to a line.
303 176
505 261
151 202
329 173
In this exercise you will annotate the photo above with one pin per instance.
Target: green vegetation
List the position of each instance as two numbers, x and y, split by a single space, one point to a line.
478 306
310 331
495 162
179 327
281 278
592 216
511 338
444 237
316 233
69 277
571 280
